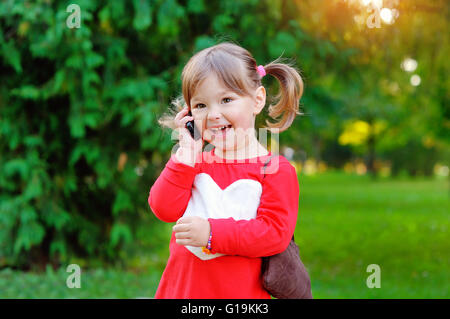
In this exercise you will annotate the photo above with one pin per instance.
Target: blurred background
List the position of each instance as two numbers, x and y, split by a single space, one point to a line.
80 145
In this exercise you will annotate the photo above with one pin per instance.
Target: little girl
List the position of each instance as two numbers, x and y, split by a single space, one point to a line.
228 213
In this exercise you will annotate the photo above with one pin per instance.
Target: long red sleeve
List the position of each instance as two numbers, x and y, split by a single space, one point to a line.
272 229
170 193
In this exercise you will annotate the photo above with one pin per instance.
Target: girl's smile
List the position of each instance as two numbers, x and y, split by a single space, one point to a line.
222 131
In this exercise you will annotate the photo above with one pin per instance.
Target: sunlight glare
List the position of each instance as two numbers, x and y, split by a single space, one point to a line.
415 80
377 3
409 65
386 15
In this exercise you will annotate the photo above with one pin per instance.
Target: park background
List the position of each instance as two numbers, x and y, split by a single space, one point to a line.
80 145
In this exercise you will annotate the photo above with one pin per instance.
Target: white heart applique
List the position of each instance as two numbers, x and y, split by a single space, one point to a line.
240 200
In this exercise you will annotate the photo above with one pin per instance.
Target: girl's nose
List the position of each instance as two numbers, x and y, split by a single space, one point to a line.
214 113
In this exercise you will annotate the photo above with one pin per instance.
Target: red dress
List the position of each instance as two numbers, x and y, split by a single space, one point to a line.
250 217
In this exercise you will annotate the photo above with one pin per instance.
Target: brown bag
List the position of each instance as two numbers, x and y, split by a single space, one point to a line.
284 276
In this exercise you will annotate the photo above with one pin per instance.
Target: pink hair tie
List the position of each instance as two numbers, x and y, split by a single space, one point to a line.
260 70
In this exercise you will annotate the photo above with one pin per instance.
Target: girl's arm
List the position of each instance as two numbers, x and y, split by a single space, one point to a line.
170 194
272 229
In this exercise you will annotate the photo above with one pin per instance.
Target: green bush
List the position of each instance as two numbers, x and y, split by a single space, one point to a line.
77 129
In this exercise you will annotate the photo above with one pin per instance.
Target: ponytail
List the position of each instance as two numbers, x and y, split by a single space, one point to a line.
291 90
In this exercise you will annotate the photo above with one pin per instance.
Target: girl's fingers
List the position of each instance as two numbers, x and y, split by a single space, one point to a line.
185 220
182 113
183 136
183 242
186 119
180 228
182 235
179 115
181 122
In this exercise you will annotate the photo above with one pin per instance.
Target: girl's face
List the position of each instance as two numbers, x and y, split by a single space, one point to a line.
214 106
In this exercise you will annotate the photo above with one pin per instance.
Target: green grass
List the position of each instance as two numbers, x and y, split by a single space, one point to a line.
346 222
96 283
349 222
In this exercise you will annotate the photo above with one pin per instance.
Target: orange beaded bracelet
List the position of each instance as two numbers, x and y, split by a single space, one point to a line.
207 249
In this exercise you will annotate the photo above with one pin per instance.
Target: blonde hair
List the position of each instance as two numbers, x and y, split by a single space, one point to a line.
236 67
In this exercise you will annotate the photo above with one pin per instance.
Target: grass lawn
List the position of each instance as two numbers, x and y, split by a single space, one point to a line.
349 222
346 222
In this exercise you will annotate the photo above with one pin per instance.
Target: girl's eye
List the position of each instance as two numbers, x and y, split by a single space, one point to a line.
200 105
226 100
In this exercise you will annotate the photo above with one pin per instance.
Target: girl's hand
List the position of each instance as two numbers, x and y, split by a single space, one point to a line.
189 148
192 231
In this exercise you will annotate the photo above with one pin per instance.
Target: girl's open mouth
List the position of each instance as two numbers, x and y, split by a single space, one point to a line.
221 131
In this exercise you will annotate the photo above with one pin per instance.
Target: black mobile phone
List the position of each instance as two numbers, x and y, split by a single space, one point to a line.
195 133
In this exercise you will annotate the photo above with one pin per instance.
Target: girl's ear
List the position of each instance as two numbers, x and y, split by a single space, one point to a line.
260 99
